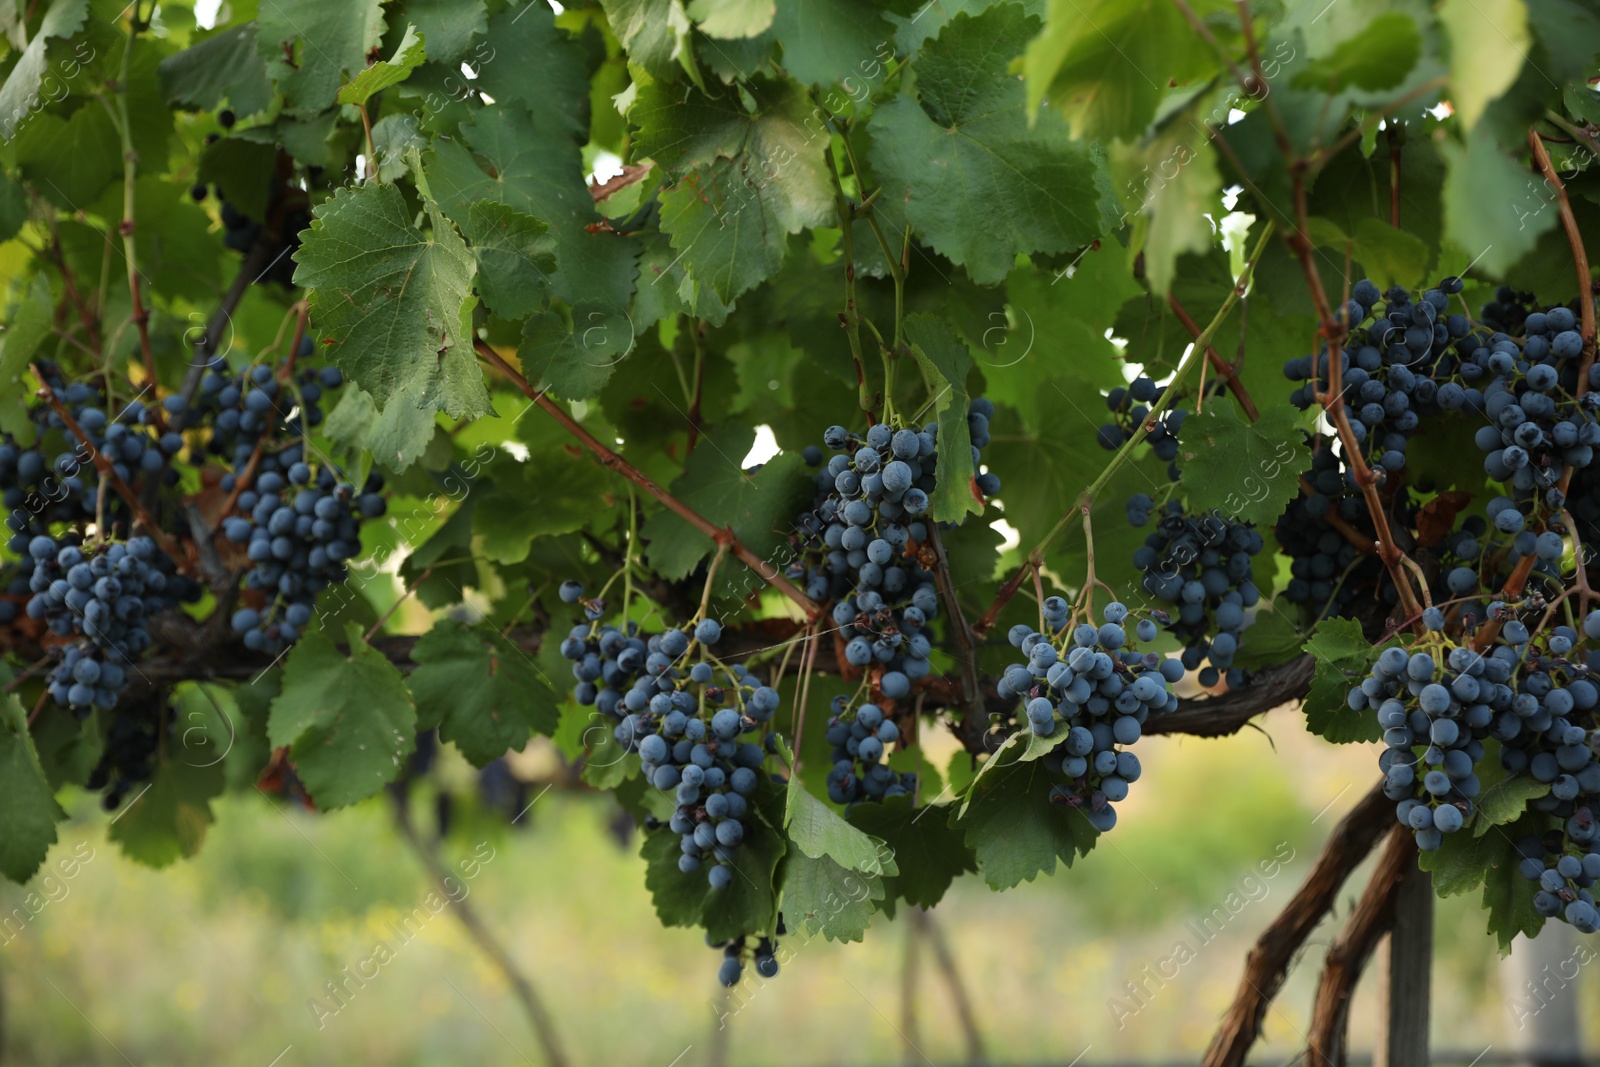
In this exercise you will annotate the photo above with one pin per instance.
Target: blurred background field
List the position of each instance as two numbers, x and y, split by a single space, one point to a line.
217 961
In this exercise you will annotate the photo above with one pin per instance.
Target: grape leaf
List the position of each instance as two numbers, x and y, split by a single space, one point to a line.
655 34
817 831
976 182
732 18
349 719
30 324
19 96
1170 187
310 45
846 44
1379 57
741 182
1343 656
1015 832
224 66
540 67
447 25
1505 801
168 819
1106 64
1252 470
392 299
760 506
1274 636
928 849
483 692
516 256
409 54
1489 42
574 353
538 171
945 362
1507 896
1493 211
826 898
28 809
400 433
748 905
70 161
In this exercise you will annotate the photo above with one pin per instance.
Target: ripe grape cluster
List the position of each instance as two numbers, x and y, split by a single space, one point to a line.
101 596
860 738
298 520
1095 692
1325 569
1202 564
687 718
1131 406
764 955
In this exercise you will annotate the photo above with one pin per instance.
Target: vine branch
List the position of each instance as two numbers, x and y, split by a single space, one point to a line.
1227 370
1580 258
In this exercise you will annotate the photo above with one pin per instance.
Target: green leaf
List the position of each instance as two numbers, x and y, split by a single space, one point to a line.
1175 185
1274 637
516 256
1392 256
538 171
1507 896
1379 57
818 831
928 848
1343 657
400 434
326 42
1505 801
29 324
732 18
242 172
748 905
976 182
759 506
28 808
655 34
826 898
1106 64
393 299
409 54
447 25
13 206
539 67
1251 470
1460 862
1489 42
843 44
168 820
945 362
1013 829
741 181
70 161
574 353
19 96
225 66
349 719
485 694
1494 211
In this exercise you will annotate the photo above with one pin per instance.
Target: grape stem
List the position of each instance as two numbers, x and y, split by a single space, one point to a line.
850 318
1585 594
1228 371
1510 591
1035 557
1580 258
108 473
966 647
401 599
1269 959
1359 540
698 339
1374 916
724 536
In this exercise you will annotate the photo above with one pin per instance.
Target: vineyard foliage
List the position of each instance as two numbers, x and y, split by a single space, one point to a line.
475 308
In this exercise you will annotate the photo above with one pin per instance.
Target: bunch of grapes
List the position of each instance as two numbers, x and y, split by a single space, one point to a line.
1094 691
687 719
1129 408
298 520
860 738
101 596
133 738
1203 565
764 955
1325 569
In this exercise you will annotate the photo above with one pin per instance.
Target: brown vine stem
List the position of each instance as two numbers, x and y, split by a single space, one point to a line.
1511 590
966 649
1580 258
1228 371
538 1015
1035 558
91 325
1268 962
1360 541
952 977
612 461
109 473
850 319
1347 956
